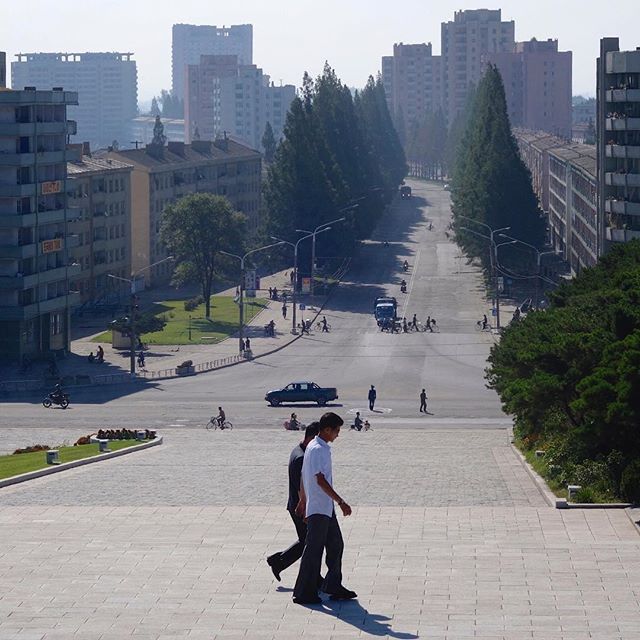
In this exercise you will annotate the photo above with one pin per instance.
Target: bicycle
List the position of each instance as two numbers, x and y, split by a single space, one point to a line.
214 423
319 326
479 326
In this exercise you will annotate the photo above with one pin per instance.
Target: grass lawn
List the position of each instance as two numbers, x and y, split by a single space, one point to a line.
223 322
13 465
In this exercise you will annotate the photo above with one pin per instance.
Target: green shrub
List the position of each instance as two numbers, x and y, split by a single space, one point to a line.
585 495
630 483
192 303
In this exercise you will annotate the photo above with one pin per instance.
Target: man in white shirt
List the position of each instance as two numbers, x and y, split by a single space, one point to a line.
323 531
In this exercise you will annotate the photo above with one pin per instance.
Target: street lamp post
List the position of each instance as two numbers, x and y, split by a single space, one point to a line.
493 259
322 227
539 255
132 313
241 296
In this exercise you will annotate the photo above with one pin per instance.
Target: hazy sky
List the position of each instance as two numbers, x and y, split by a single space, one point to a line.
291 36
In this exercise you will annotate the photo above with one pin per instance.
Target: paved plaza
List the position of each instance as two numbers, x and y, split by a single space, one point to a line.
449 539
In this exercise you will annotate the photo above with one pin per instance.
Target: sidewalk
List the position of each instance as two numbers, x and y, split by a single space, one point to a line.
162 360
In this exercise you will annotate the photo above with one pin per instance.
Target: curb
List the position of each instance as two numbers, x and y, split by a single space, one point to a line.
562 503
24 477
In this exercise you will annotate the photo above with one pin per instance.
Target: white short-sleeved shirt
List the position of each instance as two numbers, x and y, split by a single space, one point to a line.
317 459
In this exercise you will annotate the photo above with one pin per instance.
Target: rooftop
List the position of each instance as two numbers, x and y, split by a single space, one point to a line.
90 164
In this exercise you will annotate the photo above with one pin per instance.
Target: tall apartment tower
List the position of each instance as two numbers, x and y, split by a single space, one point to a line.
3 70
618 142
35 266
464 41
106 83
190 41
537 83
227 97
412 79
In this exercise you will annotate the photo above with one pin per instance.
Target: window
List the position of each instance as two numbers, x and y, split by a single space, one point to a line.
57 324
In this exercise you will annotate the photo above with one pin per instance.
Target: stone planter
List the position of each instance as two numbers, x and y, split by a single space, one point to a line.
185 371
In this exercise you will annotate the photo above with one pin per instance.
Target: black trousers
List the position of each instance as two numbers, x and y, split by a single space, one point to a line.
286 558
323 533
423 405
371 403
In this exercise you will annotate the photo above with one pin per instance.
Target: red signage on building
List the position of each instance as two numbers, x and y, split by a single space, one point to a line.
54 186
48 246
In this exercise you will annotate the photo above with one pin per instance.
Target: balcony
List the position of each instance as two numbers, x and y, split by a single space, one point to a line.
623 124
16 159
622 207
18 252
72 299
622 179
17 221
623 95
21 282
622 151
621 235
32 128
17 190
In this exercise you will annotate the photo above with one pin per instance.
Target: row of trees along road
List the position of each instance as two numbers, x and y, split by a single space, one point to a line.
491 183
338 150
571 377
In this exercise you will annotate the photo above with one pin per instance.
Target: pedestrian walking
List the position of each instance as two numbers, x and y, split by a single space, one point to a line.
141 362
423 401
283 559
372 397
284 311
247 345
304 327
270 293
325 329
323 530
275 293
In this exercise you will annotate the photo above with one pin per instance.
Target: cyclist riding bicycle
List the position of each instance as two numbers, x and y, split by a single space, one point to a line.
221 417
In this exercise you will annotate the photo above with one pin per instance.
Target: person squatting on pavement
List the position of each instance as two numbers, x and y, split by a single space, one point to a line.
323 531
283 559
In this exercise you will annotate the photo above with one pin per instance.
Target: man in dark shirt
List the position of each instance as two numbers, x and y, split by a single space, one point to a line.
283 559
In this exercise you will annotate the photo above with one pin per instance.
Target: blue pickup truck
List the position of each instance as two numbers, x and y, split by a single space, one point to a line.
301 392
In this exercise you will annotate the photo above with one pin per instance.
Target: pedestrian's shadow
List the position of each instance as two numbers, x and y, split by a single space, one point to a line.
352 612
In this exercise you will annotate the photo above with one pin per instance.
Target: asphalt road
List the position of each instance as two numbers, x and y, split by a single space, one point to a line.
354 355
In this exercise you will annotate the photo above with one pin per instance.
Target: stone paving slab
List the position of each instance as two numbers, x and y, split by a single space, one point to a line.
435 572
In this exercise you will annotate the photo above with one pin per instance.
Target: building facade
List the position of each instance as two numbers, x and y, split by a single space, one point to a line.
99 191
162 175
412 78
3 70
35 263
106 84
618 126
537 81
142 129
464 40
226 96
190 41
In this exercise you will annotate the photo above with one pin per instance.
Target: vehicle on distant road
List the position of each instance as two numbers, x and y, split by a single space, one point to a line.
405 192
301 392
385 308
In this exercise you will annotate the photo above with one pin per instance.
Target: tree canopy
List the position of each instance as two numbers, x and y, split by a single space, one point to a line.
195 230
571 374
269 143
337 152
491 183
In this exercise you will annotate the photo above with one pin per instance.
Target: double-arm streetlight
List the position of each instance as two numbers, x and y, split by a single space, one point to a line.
294 328
241 296
493 258
132 313
539 255
321 227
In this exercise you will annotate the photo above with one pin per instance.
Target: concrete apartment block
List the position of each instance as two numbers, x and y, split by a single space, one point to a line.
618 143
190 41
106 83
537 82
162 175
464 41
99 191
35 263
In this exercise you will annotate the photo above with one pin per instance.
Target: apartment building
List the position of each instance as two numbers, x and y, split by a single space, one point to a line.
142 129
190 41
3 70
618 143
537 82
464 40
35 243
161 175
99 192
226 96
106 84
412 78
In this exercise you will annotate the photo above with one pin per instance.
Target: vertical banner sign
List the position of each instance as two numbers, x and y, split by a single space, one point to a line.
250 283
306 285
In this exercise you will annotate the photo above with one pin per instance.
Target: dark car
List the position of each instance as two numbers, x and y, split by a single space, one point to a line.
301 392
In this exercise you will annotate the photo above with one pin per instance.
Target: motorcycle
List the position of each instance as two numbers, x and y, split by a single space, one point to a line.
51 399
403 288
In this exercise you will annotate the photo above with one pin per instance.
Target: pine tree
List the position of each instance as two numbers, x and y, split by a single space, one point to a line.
269 143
